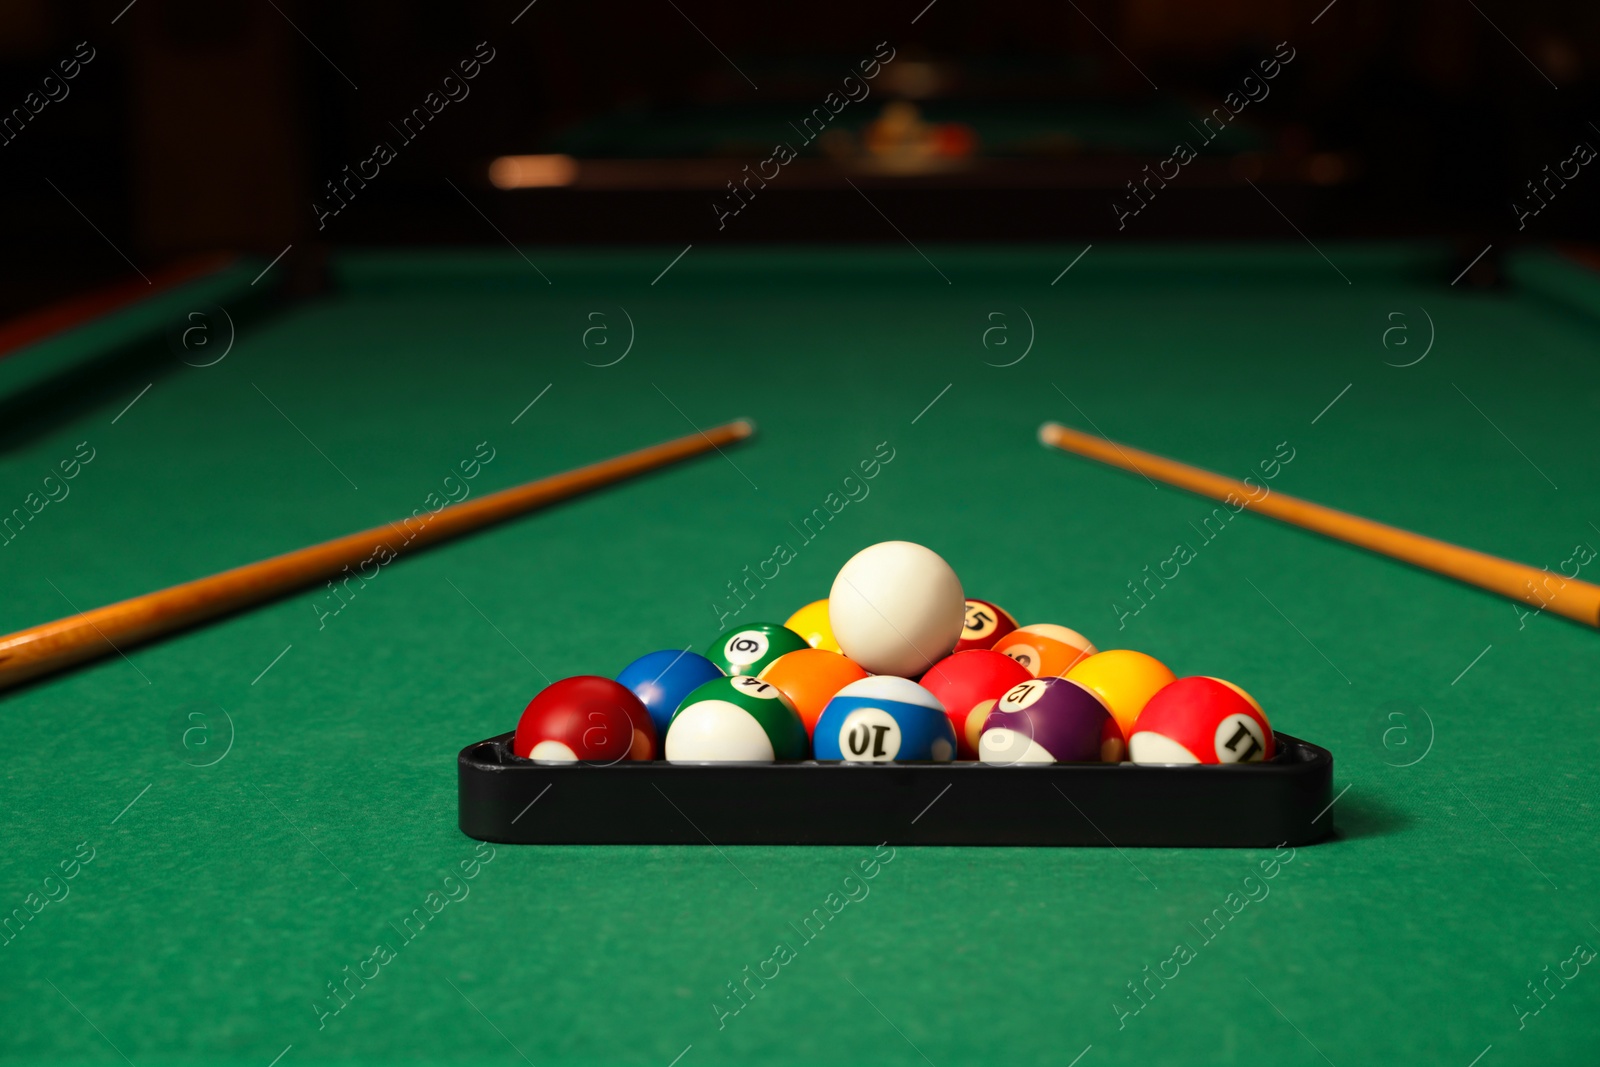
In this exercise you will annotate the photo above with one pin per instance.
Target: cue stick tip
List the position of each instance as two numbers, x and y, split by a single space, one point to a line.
743 427
1050 432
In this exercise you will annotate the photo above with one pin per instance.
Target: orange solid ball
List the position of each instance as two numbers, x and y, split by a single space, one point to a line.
810 678
1124 681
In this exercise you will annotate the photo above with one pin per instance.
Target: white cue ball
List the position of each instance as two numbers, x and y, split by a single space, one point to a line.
896 608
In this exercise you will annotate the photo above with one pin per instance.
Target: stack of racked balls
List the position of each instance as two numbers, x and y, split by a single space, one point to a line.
897 665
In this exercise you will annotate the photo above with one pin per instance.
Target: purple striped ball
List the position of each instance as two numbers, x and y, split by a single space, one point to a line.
1045 720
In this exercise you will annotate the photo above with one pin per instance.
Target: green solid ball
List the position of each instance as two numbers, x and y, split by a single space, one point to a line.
748 649
740 719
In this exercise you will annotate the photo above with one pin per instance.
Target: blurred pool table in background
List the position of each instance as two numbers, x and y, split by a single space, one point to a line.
257 810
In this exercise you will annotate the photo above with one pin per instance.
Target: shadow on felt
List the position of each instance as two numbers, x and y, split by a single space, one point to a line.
1360 816
105 380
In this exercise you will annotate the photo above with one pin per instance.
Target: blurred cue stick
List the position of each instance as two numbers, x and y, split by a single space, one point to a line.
1576 600
54 645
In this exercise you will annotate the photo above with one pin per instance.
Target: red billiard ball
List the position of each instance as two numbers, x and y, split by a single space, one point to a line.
585 718
968 684
1201 720
984 624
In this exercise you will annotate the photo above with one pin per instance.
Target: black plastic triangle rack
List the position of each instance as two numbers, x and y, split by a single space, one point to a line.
1286 800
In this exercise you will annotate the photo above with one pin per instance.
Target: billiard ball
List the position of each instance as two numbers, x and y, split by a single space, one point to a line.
811 623
1113 742
1049 720
968 684
885 718
585 718
985 623
810 678
1253 701
1047 650
1124 680
747 649
736 719
662 679
896 608
1201 720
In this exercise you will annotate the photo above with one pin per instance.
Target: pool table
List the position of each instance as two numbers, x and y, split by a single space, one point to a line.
239 845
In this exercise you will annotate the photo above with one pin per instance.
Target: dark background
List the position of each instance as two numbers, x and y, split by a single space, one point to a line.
213 124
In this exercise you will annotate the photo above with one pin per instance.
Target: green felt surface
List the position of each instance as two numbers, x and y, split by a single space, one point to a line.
220 904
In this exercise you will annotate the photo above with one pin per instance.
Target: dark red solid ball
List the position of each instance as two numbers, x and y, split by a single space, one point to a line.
585 718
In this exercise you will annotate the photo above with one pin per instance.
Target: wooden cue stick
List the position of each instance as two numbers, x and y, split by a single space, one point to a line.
1574 599
100 631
